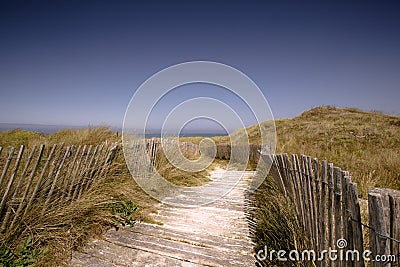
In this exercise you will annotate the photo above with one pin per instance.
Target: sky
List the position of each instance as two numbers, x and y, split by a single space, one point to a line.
80 62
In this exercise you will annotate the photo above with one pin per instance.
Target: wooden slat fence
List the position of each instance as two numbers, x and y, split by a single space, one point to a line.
46 177
249 153
328 208
154 145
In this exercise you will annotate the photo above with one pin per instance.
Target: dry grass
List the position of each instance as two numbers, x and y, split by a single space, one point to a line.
87 136
66 227
278 227
178 176
364 143
367 144
181 177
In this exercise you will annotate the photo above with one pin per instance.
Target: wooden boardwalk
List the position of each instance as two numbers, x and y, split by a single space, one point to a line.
212 235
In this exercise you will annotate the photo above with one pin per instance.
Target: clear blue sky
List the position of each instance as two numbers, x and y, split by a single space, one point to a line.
79 62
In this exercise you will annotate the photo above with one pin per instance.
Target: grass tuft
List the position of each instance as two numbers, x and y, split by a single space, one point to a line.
364 143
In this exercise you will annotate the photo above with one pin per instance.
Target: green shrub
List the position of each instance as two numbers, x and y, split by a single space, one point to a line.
24 255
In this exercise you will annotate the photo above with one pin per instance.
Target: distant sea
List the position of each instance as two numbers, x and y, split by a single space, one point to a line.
192 134
50 129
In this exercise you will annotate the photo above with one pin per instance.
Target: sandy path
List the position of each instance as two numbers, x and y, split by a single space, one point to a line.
213 235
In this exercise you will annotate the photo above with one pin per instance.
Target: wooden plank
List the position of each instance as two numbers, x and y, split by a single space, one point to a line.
337 204
390 216
296 196
291 181
284 175
149 149
152 144
379 245
346 216
69 174
95 167
156 149
296 172
322 210
277 175
136 147
64 175
98 163
330 206
110 157
103 159
308 201
329 221
1 150
6 166
11 181
386 204
54 183
39 181
304 199
16 190
313 203
54 165
395 223
80 175
344 206
86 174
103 165
72 186
275 171
317 202
28 186
357 227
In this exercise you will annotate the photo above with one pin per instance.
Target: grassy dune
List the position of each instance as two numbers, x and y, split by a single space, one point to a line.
367 144
113 201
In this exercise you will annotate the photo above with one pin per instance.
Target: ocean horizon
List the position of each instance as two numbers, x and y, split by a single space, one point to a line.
50 129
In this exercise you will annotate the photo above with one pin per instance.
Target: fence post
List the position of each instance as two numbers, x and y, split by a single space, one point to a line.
297 173
69 172
11 181
379 245
16 190
395 224
322 209
39 181
337 204
384 235
55 179
28 186
75 177
5 169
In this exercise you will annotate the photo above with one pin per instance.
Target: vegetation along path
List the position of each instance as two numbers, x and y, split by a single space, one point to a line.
211 235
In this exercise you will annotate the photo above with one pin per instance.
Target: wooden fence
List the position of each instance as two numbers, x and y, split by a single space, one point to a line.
154 146
249 153
44 177
243 153
328 209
